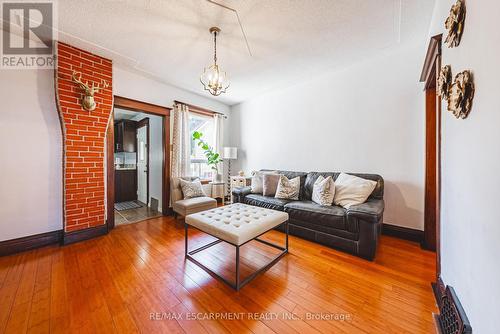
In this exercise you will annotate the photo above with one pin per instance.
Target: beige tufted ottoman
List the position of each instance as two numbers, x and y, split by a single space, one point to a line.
237 224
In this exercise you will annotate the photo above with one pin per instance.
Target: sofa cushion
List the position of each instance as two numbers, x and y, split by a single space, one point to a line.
288 189
270 184
266 202
323 191
352 190
328 216
258 181
192 189
378 192
195 204
290 175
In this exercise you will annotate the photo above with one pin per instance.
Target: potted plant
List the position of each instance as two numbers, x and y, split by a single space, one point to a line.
213 158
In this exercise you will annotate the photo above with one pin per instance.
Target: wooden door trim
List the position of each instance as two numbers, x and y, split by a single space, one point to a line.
140 124
148 108
430 72
433 50
139 106
110 173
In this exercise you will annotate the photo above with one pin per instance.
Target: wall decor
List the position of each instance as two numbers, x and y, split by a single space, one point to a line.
444 82
88 102
455 24
461 94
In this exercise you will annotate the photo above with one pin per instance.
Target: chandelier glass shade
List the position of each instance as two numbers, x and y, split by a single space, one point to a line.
213 78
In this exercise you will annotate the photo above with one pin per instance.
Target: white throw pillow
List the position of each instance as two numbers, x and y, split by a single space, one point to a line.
352 190
323 191
288 189
192 189
257 181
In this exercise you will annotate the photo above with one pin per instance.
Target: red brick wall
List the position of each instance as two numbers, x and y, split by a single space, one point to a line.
84 136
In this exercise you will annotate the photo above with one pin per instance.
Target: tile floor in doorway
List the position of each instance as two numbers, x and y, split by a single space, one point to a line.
135 215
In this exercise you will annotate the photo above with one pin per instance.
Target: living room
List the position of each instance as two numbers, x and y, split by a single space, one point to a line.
309 166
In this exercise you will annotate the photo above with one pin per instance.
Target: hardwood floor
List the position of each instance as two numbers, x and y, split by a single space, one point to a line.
135 278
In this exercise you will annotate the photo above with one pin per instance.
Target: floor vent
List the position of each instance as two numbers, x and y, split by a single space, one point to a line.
451 318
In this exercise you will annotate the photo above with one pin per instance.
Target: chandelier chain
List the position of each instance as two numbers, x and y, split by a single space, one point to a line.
215 47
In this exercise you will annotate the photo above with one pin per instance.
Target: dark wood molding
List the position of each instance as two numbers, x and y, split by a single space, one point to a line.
139 106
429 74
438 177
403 232
430 197
438 288
110 175
84 234
433 50
22 244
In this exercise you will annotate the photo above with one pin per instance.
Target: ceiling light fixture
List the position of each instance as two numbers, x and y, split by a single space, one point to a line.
213 78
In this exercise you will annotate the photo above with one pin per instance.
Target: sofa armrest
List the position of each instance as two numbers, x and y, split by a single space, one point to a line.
240 192
370 211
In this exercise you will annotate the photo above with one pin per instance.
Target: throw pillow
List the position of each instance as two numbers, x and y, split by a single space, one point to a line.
191 189
288 189
257 181
352 190
270 184
323 191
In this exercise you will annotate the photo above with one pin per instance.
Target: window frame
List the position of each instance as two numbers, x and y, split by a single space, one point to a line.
204 180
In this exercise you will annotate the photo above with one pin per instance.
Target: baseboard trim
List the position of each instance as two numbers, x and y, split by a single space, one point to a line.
18 245
403 233
85 234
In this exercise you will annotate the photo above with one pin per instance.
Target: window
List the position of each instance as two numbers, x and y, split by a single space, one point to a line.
205 125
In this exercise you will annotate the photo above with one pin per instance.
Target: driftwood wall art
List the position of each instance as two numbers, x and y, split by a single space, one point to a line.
461 94
455 24
444 82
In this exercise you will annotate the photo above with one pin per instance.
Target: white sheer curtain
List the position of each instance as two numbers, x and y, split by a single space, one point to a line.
181 142
218 135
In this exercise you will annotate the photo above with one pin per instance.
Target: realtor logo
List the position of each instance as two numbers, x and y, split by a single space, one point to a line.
27 35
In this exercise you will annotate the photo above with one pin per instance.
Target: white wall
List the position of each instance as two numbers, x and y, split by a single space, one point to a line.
31 154
470 219
367 118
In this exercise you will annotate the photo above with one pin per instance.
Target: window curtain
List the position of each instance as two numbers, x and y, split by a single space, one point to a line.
181 142
218 135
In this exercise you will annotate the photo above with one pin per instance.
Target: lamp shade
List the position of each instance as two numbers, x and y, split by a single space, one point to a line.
230 153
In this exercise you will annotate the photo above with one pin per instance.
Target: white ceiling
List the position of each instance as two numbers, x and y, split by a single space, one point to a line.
291 40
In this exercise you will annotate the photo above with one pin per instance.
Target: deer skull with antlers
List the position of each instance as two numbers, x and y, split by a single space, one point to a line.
88 102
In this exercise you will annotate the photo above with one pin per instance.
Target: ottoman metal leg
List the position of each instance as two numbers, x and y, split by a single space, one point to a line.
185 238
237 268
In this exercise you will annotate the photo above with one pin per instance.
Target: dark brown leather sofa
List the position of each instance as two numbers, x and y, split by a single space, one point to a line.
355 230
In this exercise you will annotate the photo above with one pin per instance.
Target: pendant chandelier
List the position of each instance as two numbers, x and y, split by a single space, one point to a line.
213 78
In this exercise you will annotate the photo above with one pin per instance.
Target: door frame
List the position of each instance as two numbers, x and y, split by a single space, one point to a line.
432 219
148 108
140 124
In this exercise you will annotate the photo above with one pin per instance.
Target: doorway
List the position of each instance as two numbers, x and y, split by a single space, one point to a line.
429 75
137 151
